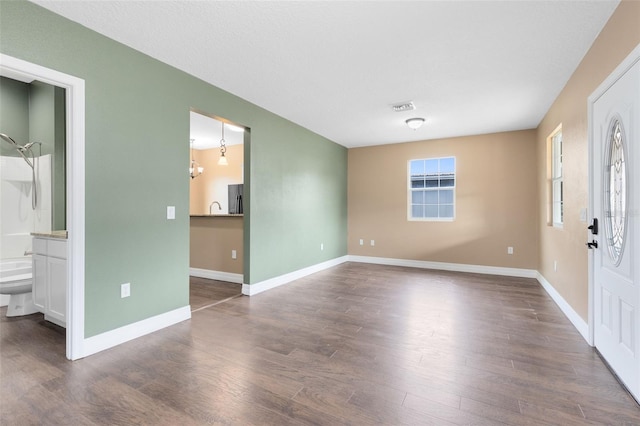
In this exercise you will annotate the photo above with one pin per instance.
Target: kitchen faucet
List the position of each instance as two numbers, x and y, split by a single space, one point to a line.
211 205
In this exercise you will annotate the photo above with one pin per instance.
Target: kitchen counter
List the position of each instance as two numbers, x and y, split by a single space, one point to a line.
216 243
216 215
52 234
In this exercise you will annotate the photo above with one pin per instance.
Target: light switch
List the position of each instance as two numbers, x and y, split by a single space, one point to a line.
125 290
171 212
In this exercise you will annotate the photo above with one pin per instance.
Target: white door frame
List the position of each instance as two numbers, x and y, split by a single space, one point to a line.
75 96
620 70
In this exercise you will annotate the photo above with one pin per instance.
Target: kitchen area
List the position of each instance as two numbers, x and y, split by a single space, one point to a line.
216 210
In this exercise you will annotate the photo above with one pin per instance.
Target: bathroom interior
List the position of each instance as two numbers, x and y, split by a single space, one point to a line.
216 208
33 199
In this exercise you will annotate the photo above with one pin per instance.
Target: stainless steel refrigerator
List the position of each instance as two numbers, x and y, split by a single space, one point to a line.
235 199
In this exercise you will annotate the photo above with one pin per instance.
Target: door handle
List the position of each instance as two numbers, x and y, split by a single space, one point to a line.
593 244
594 227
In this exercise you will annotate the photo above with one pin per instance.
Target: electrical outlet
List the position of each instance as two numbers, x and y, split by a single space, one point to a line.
361 242
555 266
234 254
125 290
171 212
509 250
373 243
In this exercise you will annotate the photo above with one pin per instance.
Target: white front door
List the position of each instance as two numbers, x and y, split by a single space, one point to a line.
615 204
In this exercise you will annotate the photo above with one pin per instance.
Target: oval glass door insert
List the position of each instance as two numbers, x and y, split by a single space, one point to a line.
615 188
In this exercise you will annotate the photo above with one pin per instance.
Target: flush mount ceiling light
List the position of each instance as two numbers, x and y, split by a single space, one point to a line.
223 148
415 123
195 169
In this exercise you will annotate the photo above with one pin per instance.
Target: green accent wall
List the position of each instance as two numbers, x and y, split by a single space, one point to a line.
41 116
136 160
59 190
298 183
14 113
47 126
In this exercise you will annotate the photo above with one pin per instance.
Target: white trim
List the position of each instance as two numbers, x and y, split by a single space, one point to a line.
259 287
75 113
577 321
129 332
456 267
216 275
620 70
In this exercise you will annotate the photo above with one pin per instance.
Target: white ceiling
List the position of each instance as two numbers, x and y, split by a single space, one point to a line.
206 132
335 67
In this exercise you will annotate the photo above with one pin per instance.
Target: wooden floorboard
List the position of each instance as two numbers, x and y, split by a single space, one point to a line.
204 292
355 344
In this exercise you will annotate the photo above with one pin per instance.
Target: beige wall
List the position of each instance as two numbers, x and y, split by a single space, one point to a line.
212 239
496 203
567 245
212 185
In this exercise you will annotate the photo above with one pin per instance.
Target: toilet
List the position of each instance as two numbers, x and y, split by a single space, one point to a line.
16 281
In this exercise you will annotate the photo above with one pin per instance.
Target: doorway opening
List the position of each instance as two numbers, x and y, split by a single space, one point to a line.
217 205
73 188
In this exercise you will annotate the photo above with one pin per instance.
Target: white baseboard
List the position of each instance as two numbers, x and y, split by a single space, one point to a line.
128 332
577 321
455 267
259 287
216 275
253 289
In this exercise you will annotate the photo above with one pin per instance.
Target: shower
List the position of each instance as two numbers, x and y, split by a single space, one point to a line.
25 151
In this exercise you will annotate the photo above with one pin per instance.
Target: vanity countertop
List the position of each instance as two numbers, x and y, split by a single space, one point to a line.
216 215
51 234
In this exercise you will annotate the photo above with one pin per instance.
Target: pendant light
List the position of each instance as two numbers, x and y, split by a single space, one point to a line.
223 148
195 169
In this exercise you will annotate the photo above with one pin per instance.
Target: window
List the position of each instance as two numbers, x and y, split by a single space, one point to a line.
432 189
557 187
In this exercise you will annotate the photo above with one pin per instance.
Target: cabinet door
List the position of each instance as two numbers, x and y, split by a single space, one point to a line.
57 295
39 281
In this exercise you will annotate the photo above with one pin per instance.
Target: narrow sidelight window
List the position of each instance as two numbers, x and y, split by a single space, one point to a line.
557 184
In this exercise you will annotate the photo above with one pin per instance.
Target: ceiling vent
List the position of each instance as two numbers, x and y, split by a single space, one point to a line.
403 106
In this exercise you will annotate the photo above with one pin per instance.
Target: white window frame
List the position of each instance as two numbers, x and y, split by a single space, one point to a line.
411 190
557 179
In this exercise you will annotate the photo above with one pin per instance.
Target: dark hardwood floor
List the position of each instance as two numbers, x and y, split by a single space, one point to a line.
356 344
204 293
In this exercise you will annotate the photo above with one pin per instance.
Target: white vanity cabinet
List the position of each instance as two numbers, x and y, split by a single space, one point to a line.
39 280
50 278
